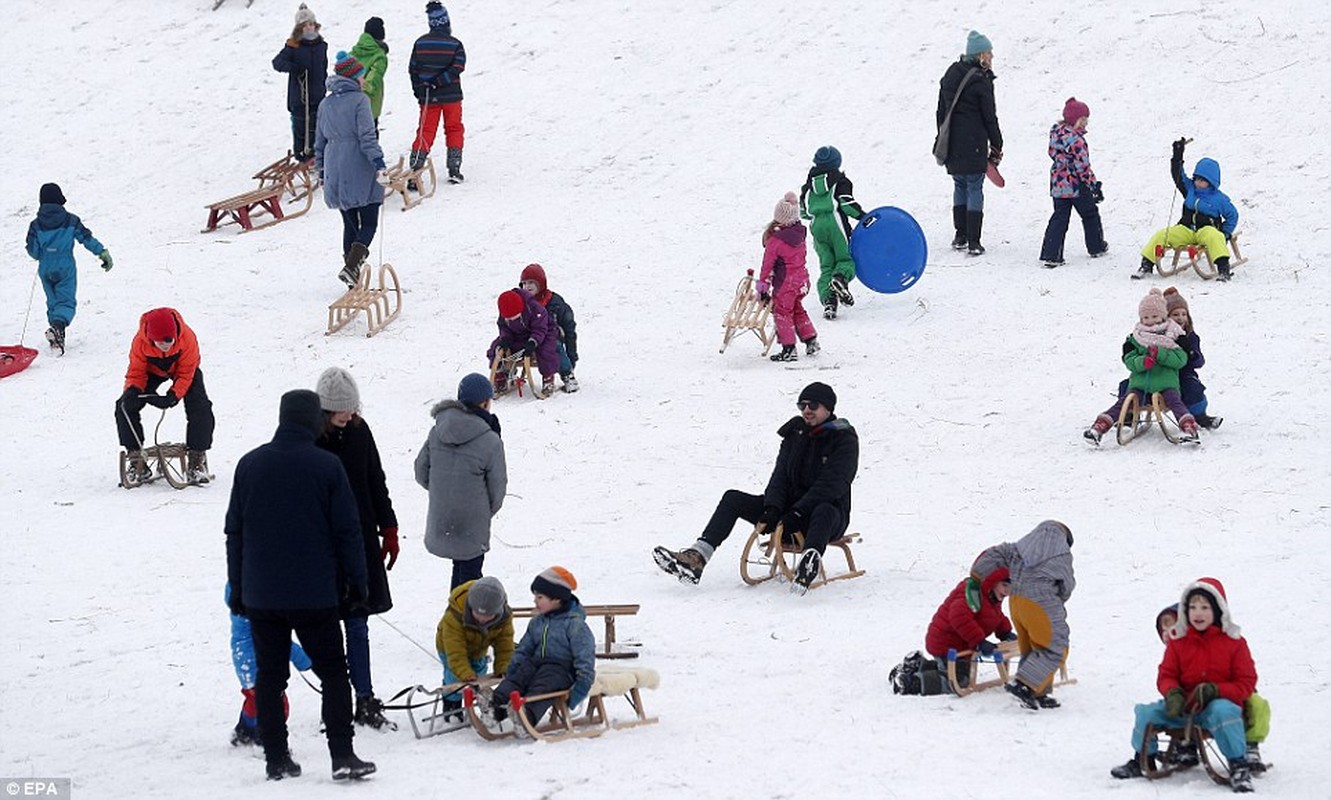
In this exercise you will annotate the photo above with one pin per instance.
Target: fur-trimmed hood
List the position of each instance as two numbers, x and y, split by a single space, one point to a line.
1216 591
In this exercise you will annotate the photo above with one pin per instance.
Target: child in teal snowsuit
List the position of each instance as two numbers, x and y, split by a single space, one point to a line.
51 238
828 199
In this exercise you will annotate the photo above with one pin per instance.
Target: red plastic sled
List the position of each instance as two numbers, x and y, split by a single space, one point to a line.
15 358
995 177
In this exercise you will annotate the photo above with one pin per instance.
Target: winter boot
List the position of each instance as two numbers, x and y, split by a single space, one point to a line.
1254 757
1185 755
370 712
1131 769
959 223
1024 695
687 564
841 289
137 470
283 767
811 346
55 336
355 258
547 385
1101 251
418 160
1051 263
1146 268
1098 429
454 161
351 767
243 735
974 227
451 711
196 469
1047 701
1209 422
787 353
1240 775
1223 275
829 307
1189 427
811 563
570 382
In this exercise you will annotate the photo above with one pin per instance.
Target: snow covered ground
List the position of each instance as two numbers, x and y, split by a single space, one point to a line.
636 150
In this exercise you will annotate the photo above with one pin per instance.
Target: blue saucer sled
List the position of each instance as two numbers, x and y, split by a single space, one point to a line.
889 250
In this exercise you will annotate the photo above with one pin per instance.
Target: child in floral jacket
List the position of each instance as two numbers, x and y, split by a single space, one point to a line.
1072 184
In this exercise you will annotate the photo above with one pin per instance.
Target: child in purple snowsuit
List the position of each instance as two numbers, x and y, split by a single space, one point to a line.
785 279
524 326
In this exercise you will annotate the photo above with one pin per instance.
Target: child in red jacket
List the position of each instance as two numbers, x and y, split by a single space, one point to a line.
1206 676
972 611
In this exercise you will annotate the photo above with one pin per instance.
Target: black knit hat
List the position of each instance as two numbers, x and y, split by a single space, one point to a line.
821 394
301 407
50 193
375 27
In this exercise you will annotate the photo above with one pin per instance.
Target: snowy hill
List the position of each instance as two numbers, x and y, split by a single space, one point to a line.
636 150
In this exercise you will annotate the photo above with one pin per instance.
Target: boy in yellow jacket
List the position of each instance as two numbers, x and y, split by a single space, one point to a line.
477 621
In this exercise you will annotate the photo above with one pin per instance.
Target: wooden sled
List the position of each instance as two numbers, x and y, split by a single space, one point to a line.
1167 761
514 371
426 712
609 612
284 181
766 558
748 313
560 724
165 460
1196 257
1007 653
380 306
401 179
1134 419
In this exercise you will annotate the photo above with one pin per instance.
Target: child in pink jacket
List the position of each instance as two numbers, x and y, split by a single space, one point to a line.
785 280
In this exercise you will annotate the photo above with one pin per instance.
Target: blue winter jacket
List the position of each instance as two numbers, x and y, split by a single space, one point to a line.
1209 206
437 62
562 637
242 650
51 238
346 148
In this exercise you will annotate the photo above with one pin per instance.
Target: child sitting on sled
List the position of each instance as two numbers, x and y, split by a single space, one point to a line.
785 280
1153 357
1206 677
242 659
1209 218
557 652
1191 387
51 238
561 318
972 611
524 327
477 621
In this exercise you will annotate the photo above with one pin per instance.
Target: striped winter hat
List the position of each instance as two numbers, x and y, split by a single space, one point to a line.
556 583
348 66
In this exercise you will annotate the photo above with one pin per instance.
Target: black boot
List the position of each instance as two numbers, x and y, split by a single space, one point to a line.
787 353
355 257
1222 269
1146 268
351 768
974 227
454 162
959 224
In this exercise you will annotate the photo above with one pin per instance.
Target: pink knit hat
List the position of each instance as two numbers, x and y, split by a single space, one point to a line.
1153 304
1074 110
787 210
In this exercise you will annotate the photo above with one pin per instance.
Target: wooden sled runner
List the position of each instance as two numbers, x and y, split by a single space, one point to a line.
1134 419
560 724
609 612
514 371
165 460
1196 257
1007 653
748 313
1167 760
402 179
766 558
380 305
284 181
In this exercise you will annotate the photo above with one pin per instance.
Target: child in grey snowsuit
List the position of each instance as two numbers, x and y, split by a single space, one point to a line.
1040 565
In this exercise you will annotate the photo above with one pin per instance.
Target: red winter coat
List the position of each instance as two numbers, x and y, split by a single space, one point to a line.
177 364
956 626
1211 656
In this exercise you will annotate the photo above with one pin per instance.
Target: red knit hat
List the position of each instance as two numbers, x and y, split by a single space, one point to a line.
511 304
1074 110
159 325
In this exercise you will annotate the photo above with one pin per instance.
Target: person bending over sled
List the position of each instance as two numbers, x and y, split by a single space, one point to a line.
477 621
785 279
971 612
1209 218
525 327
809 491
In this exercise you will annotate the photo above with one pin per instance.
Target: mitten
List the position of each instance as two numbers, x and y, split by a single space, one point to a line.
792 522
1174 702
529 349
763 288
389 549
986 648
1097 193
1179 144
1202 695
381 177
771 516
105 256
1149 361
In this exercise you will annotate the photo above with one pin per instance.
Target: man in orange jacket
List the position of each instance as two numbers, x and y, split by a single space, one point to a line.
165 349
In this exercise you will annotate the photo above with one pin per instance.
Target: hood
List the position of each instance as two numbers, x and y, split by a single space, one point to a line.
792 235
1209 169
368 47
534 272
1048 540
1216 590
455 425
51 216
338 84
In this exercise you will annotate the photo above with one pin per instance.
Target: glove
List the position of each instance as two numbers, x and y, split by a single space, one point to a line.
792 522
381 177
1202 695
1149 362
986 648
1179 144
764 289
171 399
129 394
1097 193
356 595
389 549
995 156
1174 703
167 400
771 516
105 256
529 349
233 601
1010 636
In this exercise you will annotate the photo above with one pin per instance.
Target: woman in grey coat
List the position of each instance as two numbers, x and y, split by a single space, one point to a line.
350 162
1040 565
462 466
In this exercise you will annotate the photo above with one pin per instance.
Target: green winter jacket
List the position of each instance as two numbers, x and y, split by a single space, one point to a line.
1163 375
374 56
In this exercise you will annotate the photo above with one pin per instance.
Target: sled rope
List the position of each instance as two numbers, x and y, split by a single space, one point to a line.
433 656
32 290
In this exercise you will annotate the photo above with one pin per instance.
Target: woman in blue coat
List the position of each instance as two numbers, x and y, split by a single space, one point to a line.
350 162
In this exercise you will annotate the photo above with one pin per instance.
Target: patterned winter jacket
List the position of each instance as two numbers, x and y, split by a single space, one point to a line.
562 637
1071 169
1202 207
461 639
1210 656
1164 374
826 190
437 62
969 614
177 364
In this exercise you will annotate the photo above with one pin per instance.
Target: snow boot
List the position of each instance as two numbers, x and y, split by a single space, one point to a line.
196 469
1047 701
1146 268
1101 251
570 382
829 307
1185 755
370 712
1051 263
243 735
1254 757
959 224
452 711
283 767
811 563
1131 769
1223 275
1240 775
1024 695
1098 429
974 227
841 288
547 385
355 258
454 162
787 354
417 162
811 346
137 471
1188 425
1208 422
687 564
351 768
55 336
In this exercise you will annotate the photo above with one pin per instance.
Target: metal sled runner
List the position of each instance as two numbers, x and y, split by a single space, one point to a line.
769 556
749 313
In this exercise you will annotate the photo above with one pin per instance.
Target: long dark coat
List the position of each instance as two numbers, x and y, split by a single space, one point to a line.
355 448
974 122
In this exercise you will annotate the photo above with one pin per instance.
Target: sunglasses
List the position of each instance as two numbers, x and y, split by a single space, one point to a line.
811 405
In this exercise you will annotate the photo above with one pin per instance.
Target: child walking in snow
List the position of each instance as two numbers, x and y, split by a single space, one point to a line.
565 327
524 326
1072 184
785 280
477 621
1153 357
828 199
51 238
1206 676
1209 218
304 58
1191 388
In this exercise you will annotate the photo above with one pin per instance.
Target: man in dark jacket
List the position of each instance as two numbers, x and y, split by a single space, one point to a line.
436 65
974 139
293 551
809 491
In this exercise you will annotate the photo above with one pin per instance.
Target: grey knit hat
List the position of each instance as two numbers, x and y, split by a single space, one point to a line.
338 391
487 597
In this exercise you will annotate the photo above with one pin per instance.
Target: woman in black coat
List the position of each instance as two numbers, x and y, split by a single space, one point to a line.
304 58
347 436
974 139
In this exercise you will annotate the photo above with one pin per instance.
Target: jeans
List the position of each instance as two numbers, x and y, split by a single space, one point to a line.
359 225
358 655
968 191
468 570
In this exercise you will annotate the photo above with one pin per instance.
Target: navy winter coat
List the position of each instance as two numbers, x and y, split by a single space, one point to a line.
293 538
306 65
436 65
974 122
346 148
815 466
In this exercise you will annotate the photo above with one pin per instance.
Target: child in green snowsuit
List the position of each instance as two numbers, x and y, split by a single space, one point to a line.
828 199
372 52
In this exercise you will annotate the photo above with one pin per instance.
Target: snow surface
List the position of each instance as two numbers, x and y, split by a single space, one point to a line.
636 150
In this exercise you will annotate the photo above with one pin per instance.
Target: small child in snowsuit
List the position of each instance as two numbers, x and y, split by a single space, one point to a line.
1206 677
1209 218
51 238
828 199
1072 184
1153 357
785 280
524 326
1191 387
972 611
1040 565
477 620
557 652
242 659
533 282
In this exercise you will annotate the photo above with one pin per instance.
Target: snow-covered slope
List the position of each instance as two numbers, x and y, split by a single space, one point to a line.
636 150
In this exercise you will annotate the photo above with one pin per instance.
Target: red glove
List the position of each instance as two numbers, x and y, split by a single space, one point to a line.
389 549
1150 357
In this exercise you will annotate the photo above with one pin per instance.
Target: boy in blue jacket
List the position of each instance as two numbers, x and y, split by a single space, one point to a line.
51 238
557 652
1209 218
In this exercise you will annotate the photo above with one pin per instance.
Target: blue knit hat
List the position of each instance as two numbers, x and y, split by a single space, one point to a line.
827 156
437 14
977 43
475 389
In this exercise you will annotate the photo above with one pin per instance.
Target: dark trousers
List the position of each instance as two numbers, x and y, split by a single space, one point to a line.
359 225
303 123
320 633
825 523
1057 229
535 677
463 571
199 420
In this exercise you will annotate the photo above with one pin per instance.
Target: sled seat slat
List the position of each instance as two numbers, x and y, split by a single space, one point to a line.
609 612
